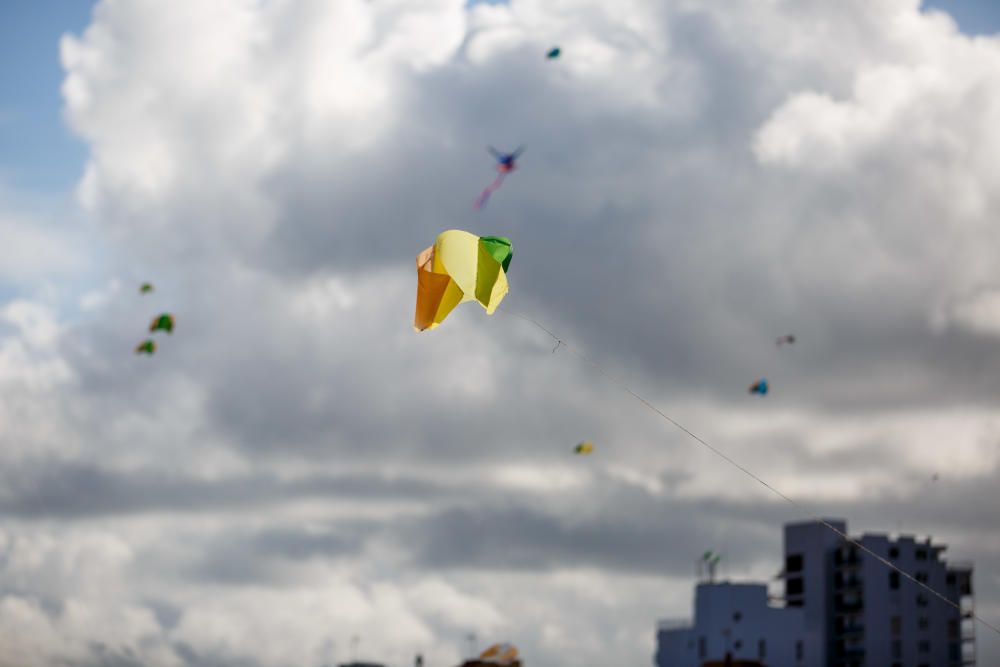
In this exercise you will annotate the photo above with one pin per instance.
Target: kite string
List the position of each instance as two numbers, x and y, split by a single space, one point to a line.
847 538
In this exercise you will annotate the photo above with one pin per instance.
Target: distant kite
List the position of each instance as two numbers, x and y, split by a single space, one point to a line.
783 340
146 288
164 322
553 53
584 448
460 267
146 347
759 387
506 163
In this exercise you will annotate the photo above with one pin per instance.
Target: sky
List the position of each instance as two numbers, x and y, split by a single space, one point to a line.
37 150
295 466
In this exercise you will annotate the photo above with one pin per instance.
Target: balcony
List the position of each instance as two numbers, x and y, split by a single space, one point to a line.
848 604
851 653
849 583
854 630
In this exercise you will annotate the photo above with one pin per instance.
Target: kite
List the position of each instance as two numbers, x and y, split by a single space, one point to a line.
146 347
584 448
460 267
506 163
500 654
781 340
553 53
759 387
164 322
146 288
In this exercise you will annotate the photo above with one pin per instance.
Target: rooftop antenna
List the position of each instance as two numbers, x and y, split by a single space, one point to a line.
709 561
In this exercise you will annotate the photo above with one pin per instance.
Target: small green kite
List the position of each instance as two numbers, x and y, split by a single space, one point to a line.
164 322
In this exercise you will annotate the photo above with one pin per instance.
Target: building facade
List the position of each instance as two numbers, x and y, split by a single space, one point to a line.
842 607
734 619
870 615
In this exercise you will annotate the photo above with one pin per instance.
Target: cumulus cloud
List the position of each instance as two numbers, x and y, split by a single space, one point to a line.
295 466
36 249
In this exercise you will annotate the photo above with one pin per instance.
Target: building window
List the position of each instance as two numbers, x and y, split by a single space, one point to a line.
738 644
921 577
955 652
761 649
924 647
965 583
951 579
921 554
894 552
894 581
737 617
923 622
896 625
793 563
794 586
897 649
702 647
799 650
921 600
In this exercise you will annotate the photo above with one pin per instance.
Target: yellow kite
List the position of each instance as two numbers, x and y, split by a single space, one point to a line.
500 654
460 267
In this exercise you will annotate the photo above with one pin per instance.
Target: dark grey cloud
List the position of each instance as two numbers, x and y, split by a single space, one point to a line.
529 539
77 491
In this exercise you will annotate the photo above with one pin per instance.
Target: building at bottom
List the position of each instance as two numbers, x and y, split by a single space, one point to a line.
842 607
735 620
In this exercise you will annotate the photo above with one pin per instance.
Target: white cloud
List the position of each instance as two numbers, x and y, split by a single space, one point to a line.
700 177
35 249
978 312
